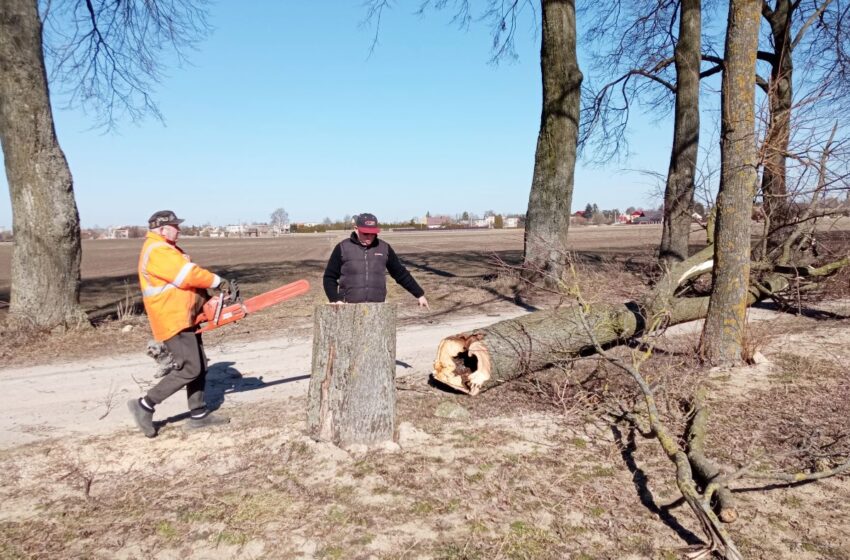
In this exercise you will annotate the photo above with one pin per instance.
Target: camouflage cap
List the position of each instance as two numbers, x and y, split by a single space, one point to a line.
163 218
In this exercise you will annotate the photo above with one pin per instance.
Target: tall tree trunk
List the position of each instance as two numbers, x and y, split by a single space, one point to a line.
46 253
722 336
780 95
679 193
548 216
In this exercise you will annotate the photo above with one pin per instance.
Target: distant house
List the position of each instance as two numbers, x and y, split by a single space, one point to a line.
512 222
436 222
121 232
649 217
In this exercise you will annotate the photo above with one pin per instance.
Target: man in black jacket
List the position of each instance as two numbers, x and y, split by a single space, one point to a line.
356 271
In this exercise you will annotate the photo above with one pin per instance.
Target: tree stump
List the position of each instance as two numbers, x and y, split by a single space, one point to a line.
352 395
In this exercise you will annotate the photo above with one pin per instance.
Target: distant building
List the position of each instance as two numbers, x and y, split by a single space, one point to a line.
512 222
436 222
649 217
121 232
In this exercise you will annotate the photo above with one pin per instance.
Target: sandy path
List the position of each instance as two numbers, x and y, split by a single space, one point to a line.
88 397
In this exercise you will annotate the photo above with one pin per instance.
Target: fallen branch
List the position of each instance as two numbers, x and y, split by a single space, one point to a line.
719 541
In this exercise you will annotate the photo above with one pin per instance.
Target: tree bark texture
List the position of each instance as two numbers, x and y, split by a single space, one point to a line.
47 251
722 336
352 395
475 361
679 192
780 95
550 200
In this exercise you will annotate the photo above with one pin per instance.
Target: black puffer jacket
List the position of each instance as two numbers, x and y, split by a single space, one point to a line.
357 274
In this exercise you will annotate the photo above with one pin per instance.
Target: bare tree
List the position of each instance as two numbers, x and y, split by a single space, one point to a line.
46 253
105 55
679 192
811 36
108 56
549 203
651 61
280 218
722 336
550 198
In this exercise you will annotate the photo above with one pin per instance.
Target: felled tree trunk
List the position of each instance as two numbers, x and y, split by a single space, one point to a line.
475 361
352 398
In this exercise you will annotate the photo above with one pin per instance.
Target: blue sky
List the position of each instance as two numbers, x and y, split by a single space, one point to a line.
283 106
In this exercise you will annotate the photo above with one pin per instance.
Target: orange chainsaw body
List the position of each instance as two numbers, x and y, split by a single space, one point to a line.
239 310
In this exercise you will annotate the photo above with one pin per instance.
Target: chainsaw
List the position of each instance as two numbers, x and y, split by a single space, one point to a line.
228 306
225 307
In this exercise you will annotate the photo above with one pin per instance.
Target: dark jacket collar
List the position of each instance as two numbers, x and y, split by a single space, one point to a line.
354 239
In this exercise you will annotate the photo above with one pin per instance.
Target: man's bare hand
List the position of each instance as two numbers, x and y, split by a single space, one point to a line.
423 302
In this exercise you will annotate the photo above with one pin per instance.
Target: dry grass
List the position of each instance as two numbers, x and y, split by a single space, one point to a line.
538 471
524 478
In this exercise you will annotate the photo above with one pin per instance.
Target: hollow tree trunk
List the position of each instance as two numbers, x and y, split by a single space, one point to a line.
352 398
46 252
679 192
722 336
478 360
548 215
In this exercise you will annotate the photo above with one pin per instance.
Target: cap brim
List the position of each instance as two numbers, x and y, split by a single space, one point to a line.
366 229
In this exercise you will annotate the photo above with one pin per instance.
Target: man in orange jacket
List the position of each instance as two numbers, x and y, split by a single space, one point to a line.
173 290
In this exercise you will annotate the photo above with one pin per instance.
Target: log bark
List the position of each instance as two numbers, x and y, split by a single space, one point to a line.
352 395
475 361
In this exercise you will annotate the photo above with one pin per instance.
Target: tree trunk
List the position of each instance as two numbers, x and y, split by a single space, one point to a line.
46 253
352 398
722 336
679 193
780 94
550 200
475 361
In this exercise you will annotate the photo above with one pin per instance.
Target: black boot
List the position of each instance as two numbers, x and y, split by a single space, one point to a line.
142 416
207 420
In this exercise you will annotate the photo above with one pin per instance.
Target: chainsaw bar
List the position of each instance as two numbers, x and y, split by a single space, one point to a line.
215 314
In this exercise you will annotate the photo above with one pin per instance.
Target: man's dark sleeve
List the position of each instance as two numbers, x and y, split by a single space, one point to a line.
332 273
400 274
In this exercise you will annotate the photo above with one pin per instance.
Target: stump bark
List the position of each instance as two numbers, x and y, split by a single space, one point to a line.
352 395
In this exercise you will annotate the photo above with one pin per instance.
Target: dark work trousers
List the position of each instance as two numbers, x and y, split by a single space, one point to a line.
187 348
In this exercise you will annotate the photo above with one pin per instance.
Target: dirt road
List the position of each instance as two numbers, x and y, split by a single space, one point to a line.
88 397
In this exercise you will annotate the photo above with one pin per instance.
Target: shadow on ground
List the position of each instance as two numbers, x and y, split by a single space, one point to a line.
224 379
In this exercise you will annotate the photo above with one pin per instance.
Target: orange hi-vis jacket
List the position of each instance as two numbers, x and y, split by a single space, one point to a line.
169 280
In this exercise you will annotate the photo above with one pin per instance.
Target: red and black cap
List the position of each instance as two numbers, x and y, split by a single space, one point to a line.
367 223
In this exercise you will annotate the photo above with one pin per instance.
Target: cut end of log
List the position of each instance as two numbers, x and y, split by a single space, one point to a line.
463 363
728 515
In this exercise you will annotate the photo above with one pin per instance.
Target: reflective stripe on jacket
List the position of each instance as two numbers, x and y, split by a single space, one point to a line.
169 280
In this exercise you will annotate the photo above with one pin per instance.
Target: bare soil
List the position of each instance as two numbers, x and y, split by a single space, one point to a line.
532 469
